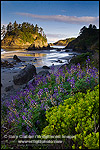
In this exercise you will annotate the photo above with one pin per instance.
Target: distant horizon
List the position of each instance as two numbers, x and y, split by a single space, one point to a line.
59 19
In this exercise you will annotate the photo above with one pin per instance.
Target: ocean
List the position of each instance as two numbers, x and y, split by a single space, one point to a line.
43 57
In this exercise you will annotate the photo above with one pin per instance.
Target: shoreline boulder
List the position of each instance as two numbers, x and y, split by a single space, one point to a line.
43 73
15 57
25 75
9 88
45 67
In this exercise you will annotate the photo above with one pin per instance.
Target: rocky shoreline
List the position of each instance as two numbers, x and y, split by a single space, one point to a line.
13 81
17 81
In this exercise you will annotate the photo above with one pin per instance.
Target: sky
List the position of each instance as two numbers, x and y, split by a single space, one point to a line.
59 19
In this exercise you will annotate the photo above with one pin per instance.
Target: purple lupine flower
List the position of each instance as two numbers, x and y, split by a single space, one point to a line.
55 89
23 117
30 86
82 74
32 101
88 60
7 104
46 89
23 134
78 66
17 115
73 68
68 79
23 124
40 92
71 81
32 133
62 90
69 71
42 106
87 79
46 107
79 74
55 95
28 128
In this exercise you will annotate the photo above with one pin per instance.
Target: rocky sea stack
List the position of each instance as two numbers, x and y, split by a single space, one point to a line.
23 35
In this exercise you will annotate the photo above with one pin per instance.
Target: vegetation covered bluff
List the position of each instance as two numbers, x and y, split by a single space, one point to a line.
22 36
62 42
88 40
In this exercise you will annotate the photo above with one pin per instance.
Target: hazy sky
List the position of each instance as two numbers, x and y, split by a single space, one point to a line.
59 19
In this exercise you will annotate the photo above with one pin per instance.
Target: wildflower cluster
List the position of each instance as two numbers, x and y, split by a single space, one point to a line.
28 108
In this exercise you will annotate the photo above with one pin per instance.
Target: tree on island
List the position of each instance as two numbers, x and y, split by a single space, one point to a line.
36 29
3 31
15 25
9 27
41 30
25 31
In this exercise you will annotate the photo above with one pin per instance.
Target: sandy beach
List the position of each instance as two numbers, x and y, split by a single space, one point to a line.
8 73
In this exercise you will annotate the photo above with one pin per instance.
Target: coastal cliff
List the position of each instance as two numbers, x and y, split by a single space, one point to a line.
62 42
88 40
23 35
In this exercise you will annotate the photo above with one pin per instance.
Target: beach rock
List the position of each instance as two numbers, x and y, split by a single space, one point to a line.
58 49
8 88
5 63
66 50
60 61
46 67
32 81
15 57
23 86
25 75
35 59
43 73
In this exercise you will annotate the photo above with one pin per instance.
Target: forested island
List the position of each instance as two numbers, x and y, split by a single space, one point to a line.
23 36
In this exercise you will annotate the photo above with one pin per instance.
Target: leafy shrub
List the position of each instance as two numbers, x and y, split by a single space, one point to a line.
80 58
27 109
79 116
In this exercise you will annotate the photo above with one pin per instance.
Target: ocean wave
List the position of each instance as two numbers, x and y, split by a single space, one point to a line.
3 51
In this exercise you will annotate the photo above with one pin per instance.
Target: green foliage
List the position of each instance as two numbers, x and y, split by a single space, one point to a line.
79 116
87 38
80 58
55 96
25 31
64 42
